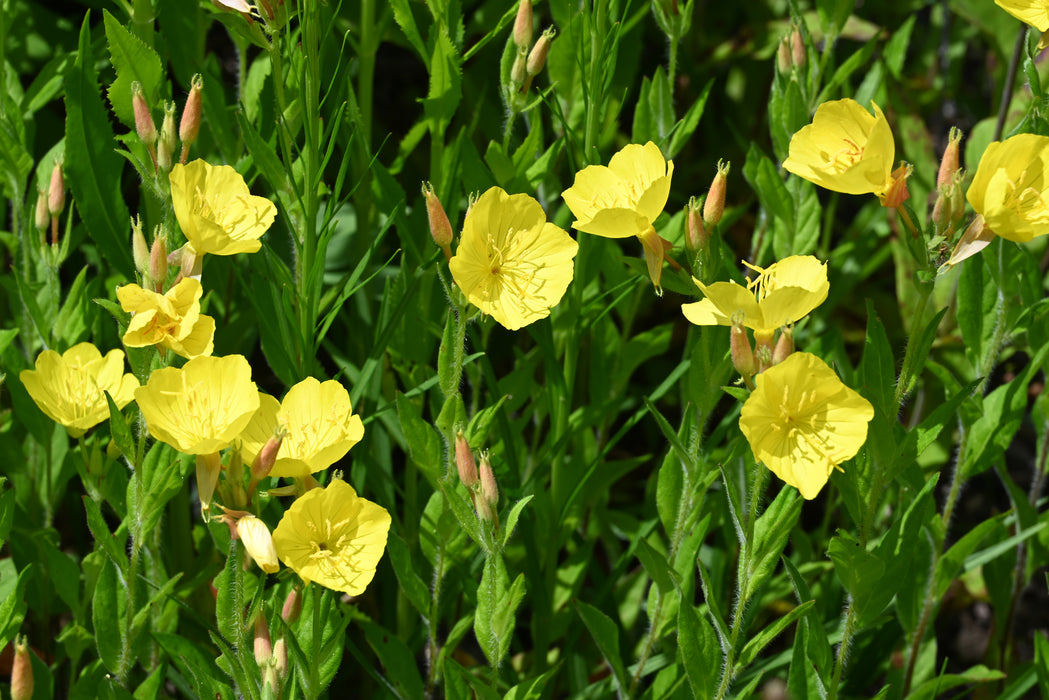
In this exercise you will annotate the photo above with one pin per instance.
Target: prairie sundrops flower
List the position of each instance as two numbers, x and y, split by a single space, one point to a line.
201 407
845 149
511 263
171 320
801 421
320 423
332 536
1010 189
624 199
1032 12
216 211
69 387
781 294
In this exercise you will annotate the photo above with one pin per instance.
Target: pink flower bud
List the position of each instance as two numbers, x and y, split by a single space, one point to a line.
783 64
22 672
144 125
440 226
489 489
41 217
523 25
56 192
742 353
949 164
190 125
158 261
464 461
263 649
784 346
714 206
897 193
798 54
292 606
697 236
537 58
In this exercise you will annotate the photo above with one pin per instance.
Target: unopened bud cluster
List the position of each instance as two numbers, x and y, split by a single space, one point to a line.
949 208
701 219
791 54
479 482
163 144
529 59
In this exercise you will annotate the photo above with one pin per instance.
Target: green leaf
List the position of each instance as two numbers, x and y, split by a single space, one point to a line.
763 638
106 609
606 633
424 445
412 586
445 84
398 662
92 167
119 429
100 532
497 603
13 609
463 513
511 519
531 689
402 15
264 155
938 687
700 651
133 62
686 126
858 569
229 599
450 356
771 532
195 662
764 177
895 50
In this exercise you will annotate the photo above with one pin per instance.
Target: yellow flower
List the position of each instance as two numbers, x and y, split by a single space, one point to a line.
320 423
511 263
781 294
1011 187
216 211
844 149
69 387
171 320
202 407
624 199
333 537
258 543
802 422
1032 12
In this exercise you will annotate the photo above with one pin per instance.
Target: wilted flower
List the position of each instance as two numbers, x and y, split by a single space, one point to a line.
801 421
216 211
69 387
844 149
202 407
511 263
320 423
624 199
1010 189
781 294
171 320
333 537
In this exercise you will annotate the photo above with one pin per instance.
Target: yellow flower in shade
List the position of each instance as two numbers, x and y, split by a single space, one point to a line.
1010 189
801 421
69 387
258 543
624 199
333 537
216 211
511 263
845 149
320 423
1032 12
171 320
202 407
781 294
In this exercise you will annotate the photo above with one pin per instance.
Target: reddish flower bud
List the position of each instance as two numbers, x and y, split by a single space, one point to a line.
537 58
158 261
784 346
144 125
523 26
464 461
56 191
292 606
714 206
897 193
263 648
489 489
696 237
783 64
949 164
190 124
22 672
742 353
440 226
797 49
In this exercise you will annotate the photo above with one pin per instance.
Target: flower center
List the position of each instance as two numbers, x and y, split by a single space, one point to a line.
511 270
1028 203
846 157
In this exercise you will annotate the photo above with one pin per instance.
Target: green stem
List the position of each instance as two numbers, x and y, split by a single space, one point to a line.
433 650
843 651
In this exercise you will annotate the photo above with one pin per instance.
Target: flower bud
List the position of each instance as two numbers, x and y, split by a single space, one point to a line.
270 682
523 26
742 353
489 489
797 49
464 461
440 226
537 58
144 125
166 144
784 346
292 606
714 206
22 672
280 658
696 237
56 191
949 164
139 247
42 217
158 261
519 72
263 649
189 127
267 456
258 542
941 210
783 64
